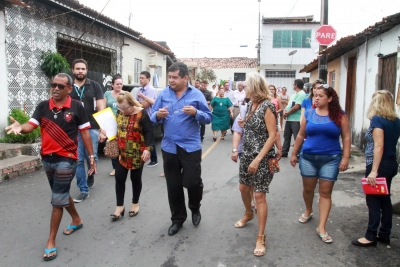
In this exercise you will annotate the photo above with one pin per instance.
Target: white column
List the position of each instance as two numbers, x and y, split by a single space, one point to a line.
3 76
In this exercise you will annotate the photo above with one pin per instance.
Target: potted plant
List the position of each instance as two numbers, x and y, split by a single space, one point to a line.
53 63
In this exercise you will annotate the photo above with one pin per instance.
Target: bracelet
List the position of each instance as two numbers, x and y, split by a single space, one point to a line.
91 156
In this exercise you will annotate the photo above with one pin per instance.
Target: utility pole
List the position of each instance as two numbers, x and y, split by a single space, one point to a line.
323 60
259 39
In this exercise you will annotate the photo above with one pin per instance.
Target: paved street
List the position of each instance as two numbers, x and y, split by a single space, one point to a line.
143 240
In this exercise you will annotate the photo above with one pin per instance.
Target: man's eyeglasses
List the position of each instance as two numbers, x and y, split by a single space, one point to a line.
59 85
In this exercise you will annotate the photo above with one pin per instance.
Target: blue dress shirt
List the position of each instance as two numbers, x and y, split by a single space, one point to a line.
179 128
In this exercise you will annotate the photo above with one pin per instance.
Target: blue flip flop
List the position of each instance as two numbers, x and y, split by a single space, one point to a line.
74 228
48 251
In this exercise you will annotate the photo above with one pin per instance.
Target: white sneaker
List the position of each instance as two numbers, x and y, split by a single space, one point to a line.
112 173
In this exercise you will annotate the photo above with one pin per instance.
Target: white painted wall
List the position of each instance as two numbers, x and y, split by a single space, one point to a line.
284 82
139 51
270 55
367 73
228 74
3 75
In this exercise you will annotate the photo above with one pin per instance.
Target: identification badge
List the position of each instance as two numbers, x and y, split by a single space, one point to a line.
94 103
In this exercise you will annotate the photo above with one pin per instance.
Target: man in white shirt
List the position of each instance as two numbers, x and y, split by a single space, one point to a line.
229 94
238 98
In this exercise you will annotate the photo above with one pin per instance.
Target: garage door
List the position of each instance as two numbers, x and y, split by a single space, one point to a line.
281 78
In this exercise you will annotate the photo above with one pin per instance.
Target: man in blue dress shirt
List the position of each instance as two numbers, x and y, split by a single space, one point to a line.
181 108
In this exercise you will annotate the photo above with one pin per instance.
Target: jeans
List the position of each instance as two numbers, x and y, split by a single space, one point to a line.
81 178
60 171
380 206
291 128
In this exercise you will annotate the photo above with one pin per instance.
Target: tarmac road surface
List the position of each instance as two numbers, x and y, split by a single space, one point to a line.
143 240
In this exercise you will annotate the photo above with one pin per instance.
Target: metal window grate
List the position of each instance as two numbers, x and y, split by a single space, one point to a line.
280 74
100 59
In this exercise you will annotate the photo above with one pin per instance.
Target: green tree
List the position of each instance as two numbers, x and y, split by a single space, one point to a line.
206 74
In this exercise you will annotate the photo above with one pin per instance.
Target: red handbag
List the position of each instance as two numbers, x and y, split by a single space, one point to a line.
380 187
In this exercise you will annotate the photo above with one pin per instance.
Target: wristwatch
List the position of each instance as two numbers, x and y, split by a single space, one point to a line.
91 156
234 150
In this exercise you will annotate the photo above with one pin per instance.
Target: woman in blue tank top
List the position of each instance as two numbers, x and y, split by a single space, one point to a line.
380 154
321 157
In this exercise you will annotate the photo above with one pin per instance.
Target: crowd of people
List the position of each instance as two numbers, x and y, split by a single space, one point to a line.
70 137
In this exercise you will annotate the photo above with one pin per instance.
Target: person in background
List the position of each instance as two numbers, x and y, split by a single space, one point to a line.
60 119
309 101
197 84
229 94
292 115
135 137
324 124
222 114
146 96
275 99
382 138
208 97
110 99
238 98
214 90
284 100
90 94
181 106
307 88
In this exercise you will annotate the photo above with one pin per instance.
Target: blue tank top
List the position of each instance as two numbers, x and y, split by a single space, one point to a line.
322 135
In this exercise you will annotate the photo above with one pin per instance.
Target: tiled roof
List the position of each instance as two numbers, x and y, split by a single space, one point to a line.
222 63
350 42
91 14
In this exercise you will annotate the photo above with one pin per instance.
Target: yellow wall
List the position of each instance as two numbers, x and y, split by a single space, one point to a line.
334 65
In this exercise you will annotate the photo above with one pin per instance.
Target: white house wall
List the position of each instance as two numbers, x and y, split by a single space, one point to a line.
367 78
28 35
285 82
228 74
139 51
270 55
3 73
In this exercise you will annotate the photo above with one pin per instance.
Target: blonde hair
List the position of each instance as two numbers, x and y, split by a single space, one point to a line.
257 87
129 99
382 105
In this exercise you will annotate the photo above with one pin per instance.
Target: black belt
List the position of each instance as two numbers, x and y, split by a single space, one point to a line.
54 156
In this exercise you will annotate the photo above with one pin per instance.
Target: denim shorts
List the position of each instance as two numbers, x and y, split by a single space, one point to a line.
325 167
60 171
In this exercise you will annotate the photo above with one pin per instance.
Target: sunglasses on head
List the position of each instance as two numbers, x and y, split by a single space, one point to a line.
59 85
326 86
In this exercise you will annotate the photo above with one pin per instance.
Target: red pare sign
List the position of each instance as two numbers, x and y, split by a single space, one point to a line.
325 35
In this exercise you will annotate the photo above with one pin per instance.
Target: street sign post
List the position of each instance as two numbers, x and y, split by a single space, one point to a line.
325 35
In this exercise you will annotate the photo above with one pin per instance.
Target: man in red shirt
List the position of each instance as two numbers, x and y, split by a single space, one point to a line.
60 118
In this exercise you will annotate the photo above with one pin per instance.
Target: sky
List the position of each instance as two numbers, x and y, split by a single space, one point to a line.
218 28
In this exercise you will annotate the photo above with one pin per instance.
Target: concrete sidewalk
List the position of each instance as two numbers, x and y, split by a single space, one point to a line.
357 165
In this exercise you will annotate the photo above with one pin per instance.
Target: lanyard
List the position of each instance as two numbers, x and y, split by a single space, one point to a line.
79 92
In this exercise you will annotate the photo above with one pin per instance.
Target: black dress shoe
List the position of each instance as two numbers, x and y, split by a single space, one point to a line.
196 218
359 244
385 240
174 228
